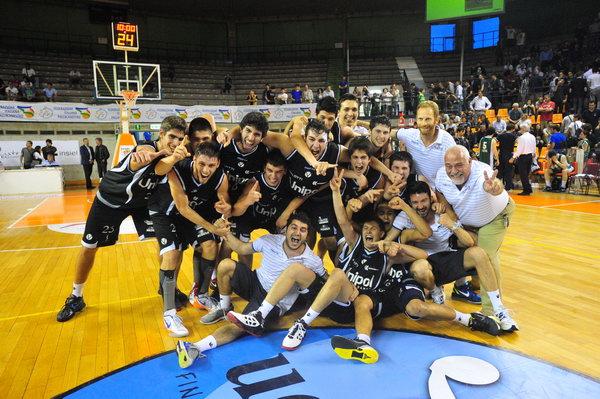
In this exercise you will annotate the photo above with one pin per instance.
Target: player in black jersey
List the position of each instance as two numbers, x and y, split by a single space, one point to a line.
199 190
380 129
124 191
401 163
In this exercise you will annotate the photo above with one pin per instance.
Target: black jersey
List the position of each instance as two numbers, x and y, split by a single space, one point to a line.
303 179
123 188
336 131
410 180
201 197
241 167
351 190
161 200
273 199
365 269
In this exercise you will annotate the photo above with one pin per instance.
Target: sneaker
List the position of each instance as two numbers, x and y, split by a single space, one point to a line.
181 300
252 322
465 293
215 314
354 349
562 190
479 322
507 324
174 324
73 304
204 301
295 335
438 296
187 353
548 189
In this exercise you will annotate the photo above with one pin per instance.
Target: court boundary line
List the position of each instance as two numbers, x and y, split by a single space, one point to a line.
27 213
571 203
558 209
148 240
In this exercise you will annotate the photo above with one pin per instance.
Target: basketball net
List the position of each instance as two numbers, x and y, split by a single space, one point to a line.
125 142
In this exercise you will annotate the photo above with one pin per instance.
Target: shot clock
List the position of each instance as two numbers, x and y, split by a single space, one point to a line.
125 36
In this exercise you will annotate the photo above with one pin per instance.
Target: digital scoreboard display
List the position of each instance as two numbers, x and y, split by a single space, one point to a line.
125 36
443 10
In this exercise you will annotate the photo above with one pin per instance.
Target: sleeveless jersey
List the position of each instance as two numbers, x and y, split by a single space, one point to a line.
336 131
241 167
273 199
485 151
123 188
161 200
410 180
201 197
303 179
365 269
350 190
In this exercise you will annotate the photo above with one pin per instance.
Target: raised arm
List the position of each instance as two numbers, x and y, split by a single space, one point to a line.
422 230
240 247
165 165
340 212
249 197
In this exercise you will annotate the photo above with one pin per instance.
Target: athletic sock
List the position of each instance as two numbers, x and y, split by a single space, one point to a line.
496 301
462 318
364 337
310 316
563 184
197 267
206 343
168 285
77 289
225 301
460 282
548 183
264 308
206 267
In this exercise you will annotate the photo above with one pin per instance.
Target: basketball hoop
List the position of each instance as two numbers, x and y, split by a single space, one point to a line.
129 97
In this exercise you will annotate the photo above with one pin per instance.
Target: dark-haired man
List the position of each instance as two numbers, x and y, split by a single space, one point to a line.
380 129
280 252
124 191
557 163
102 155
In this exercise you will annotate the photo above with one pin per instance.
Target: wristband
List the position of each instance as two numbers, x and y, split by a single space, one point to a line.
457 225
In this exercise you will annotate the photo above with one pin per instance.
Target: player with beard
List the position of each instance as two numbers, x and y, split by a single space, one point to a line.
348 115
401 163
451 250
280 252
124 191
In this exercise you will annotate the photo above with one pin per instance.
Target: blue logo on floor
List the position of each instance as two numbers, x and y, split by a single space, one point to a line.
411 365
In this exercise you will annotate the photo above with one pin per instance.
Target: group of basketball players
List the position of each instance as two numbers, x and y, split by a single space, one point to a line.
395 240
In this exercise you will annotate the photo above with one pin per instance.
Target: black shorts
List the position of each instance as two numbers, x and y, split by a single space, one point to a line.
343 313
243 226
449 266
400 295
246 284
103 223
322 215
174 232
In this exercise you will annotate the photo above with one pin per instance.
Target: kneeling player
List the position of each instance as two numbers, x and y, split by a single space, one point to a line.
279 253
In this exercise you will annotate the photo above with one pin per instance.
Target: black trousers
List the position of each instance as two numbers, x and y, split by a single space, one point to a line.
524 165
102 165
506 171
87 171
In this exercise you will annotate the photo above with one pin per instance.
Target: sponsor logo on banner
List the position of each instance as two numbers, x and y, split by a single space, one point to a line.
27 111
102 114
266 112
225 113
136 113
84 112
306 112
182 113
46 113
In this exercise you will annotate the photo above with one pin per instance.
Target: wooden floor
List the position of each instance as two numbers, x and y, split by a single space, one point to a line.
550 263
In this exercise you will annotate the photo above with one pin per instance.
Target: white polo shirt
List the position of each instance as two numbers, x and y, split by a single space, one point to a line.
473 206
439 241
427 160
275 261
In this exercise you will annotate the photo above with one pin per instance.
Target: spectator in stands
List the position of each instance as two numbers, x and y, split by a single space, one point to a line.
50 92
560 96
344 86
495 87
506 146
573 127
268 97
480 104
101 155
227 84
320 94
27 155
459 93
12 93
546 109
37 156
557 140
282 97
87 155
578 91
366 101
529 108
459 137
511 36
75 79
296 94
584 141
557 163
593 81
27 90
307 95
49 149
499 125
328 92
591 115
386 101
526 149
28 74
251 98
515 114
395 92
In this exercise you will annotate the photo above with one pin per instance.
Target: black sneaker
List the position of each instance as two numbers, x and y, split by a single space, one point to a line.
354 349
73 304
548 189
252 322
480 322
181 299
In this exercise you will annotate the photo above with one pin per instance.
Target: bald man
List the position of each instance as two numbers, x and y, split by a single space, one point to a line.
481 203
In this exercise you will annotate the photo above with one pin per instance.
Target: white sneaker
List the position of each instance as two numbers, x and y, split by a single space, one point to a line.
174 324
507 324
438 296
295 335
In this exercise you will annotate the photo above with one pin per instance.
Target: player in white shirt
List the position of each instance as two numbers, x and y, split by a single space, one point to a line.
279 252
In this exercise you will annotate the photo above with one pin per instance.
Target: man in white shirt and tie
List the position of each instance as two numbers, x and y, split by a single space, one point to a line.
524 157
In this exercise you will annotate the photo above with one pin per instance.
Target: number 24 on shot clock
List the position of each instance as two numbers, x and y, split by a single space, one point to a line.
125 36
